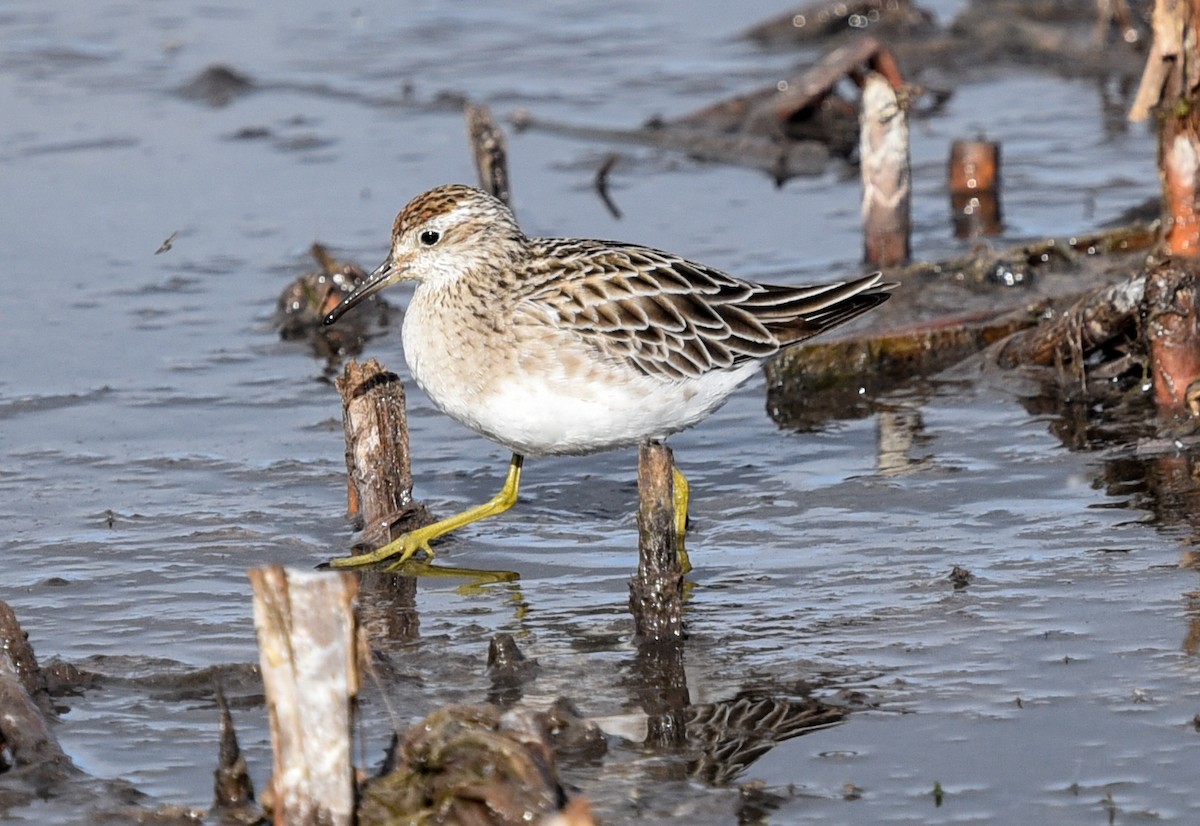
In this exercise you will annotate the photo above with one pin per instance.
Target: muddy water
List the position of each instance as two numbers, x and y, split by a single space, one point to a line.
157 438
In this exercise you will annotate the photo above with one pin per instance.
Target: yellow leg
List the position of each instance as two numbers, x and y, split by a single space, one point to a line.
403 547
682 493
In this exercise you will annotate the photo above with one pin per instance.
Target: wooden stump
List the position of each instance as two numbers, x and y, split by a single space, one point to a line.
378 468
656 592
887 192
974 188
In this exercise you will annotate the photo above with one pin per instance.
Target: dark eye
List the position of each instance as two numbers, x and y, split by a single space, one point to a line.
429 237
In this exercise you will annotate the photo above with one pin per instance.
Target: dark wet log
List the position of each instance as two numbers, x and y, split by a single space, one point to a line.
1095 318
1066 37
806 384
25 735
14 643
378 468
786 129
780 161
656 592
844 376
1054 36
489 149
1171 329
307 637
884 155
975 188
770 110
233 791
657 539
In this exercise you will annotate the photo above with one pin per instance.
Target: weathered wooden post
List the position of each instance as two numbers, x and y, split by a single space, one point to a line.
975 188
886 177
656 592
307 640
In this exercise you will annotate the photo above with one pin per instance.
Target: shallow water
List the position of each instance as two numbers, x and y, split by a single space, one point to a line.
157 438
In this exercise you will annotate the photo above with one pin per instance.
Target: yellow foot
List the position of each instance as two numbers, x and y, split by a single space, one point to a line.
402 549
398 551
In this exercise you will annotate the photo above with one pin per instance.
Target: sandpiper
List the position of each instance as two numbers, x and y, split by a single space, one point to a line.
568 346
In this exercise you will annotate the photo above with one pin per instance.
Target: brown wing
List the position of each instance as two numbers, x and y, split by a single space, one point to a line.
674 318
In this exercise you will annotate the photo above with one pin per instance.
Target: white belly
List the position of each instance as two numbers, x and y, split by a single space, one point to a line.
551 397
532 416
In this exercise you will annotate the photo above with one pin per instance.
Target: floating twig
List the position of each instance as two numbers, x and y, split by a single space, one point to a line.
606 166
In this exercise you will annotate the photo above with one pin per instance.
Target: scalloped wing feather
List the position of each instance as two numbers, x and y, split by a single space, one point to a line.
676 319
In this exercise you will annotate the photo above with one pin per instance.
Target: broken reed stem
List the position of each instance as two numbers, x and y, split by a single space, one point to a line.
489 149
307 635
887 194
233 791
656 593
975 188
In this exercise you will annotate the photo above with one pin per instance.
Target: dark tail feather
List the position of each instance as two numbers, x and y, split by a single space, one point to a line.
804 315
